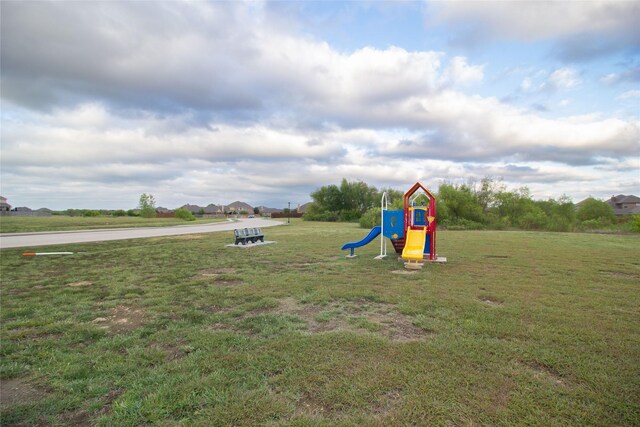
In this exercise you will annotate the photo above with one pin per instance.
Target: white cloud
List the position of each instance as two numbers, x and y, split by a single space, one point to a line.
459 72
630 94
221 102
562 79
534 20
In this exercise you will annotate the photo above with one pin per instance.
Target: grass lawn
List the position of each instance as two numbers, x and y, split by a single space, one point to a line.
517 328
21 224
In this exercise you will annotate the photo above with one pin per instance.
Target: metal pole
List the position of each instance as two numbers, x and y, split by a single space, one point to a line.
289 214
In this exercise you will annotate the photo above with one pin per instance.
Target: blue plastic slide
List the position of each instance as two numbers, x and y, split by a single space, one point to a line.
375 231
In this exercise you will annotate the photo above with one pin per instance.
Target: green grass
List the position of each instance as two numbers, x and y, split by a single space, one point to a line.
17 224
517 328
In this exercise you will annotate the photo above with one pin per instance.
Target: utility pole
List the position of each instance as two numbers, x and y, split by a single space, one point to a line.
289 214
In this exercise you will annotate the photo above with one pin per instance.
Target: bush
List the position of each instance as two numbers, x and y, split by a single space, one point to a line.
321 216
148 213
559 223
591 224
465 224
595 209
147 206
132 212
91 213
635 223
119 212
184 214
533 220
371 218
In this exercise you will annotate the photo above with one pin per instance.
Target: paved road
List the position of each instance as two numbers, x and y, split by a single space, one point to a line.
27 240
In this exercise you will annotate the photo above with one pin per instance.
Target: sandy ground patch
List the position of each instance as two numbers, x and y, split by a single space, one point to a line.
17 390
123 319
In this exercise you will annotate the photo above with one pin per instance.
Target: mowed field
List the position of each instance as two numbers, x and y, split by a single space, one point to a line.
517 328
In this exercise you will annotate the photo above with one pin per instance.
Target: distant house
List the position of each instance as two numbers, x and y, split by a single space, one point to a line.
625 205
192 208
267 210
238 206
162 210
4 206
213 209
43 212
22 209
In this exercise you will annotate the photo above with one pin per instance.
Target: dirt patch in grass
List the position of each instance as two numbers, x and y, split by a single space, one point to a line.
620 274
123 319
310 406
404 272
17 390
305 265
387 402
542 371
215 272
174 351
81 284
355 316
491 301
81 417
497 256
109 398
225 283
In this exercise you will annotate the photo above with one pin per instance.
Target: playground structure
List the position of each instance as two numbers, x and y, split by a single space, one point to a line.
412 230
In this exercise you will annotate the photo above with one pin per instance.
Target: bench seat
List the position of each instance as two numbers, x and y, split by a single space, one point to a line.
248 235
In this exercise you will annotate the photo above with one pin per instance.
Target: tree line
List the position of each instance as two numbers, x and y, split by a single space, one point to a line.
486 204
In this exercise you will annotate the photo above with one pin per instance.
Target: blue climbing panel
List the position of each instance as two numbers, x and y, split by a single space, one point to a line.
419 216
393 224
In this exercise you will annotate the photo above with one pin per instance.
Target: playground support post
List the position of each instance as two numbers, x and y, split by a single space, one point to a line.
384 205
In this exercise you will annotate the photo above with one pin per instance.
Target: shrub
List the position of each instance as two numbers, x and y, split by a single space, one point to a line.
147 206
132 212
184 214
591 224
595 209
465 224
321 216
635 223
533 220
371 218
119 212
91 213
559 223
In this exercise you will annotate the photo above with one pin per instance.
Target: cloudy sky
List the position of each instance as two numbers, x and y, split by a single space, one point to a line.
210 102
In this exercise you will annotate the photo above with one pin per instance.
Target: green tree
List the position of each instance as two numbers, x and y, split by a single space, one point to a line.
371 218
561 213
511 206
455 203
184 214
347 202
593 209
486 194
147 205
395 197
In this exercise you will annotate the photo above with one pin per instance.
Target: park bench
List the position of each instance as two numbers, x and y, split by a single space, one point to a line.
248 235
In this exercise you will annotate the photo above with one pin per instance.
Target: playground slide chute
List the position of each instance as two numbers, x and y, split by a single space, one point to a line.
414 246
375 232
